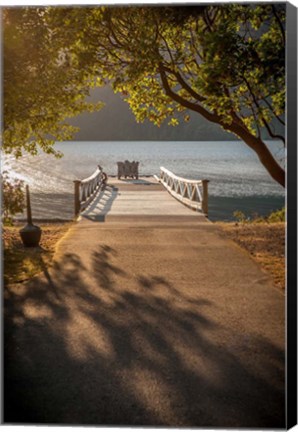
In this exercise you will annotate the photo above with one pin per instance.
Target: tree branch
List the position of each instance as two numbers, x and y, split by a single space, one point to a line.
184 84
279 23
262 117
271 133
184 102
271 108
256 120
195 45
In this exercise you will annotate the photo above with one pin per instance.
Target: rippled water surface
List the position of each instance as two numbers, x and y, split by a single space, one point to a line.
236 176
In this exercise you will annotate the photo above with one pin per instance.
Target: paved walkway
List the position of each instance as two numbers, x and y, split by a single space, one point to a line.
146 320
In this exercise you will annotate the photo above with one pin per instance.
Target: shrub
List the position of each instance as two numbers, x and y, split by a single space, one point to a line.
239 216
13 198
277 216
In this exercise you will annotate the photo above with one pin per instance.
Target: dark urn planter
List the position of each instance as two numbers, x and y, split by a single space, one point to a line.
30 234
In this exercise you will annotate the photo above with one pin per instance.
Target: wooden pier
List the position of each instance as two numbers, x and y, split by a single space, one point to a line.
168 195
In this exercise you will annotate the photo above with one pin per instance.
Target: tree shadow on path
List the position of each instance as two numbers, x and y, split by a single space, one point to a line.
105 347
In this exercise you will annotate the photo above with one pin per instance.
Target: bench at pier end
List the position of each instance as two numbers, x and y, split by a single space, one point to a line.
128 169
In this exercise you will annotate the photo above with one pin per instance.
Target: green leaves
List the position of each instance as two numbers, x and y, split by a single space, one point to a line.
213 60
225 62
13 197
45 81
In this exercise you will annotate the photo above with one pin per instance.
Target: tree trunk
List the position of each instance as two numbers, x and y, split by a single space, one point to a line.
265 156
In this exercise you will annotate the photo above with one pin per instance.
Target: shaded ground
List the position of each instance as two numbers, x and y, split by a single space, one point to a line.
265 242
22 263
156 323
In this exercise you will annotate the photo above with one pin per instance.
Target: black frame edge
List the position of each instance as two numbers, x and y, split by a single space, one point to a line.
291 55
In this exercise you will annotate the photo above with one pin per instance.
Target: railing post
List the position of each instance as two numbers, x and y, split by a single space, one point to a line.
77 204
205 197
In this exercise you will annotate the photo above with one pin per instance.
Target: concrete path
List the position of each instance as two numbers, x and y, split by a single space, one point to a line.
146 320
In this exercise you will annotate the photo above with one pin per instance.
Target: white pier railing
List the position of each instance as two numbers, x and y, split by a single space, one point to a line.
192 193
85 190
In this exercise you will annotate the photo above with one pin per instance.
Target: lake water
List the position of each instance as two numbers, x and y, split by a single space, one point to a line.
238 181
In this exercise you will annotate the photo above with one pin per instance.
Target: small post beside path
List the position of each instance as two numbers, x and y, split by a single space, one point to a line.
30 234
28 203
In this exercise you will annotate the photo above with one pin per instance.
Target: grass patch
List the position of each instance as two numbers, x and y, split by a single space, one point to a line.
22 263
264 241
